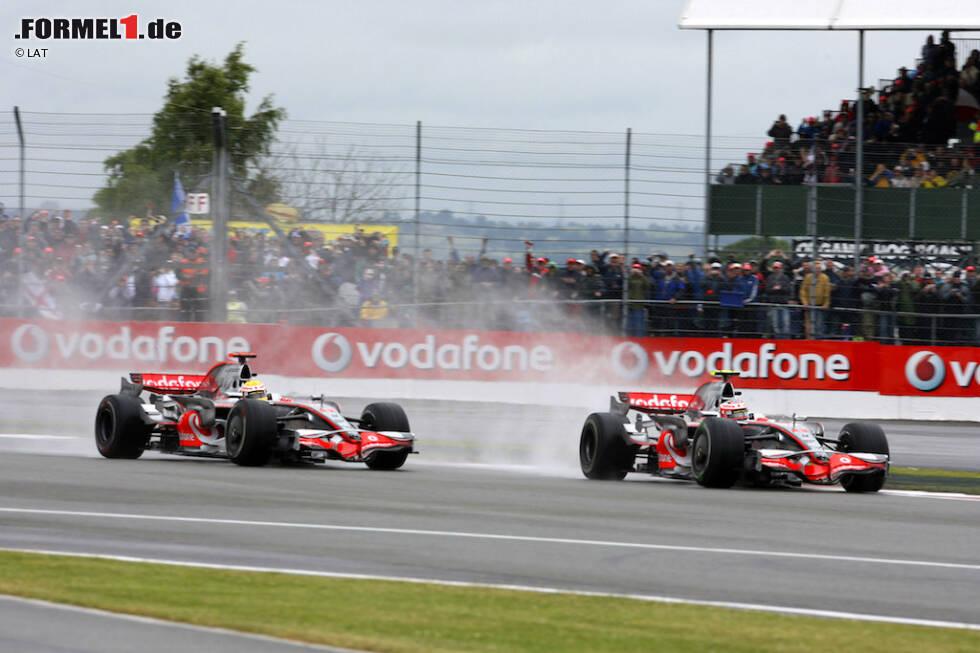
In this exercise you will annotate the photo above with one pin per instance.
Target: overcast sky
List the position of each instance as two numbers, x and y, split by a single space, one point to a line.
545 65
510 63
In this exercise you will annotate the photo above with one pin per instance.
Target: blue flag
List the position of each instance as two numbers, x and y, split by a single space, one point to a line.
177 203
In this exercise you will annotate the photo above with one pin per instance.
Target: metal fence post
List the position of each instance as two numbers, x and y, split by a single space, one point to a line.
963 211
912 213
707 140
626 223
219 246
417 267
758 211
21 298
859 167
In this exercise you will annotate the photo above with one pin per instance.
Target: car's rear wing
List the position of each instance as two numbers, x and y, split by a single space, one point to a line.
168 384
659 403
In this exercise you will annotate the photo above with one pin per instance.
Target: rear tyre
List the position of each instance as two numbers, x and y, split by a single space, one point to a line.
384 416
718 452
868 438
119 428
603 452
250 432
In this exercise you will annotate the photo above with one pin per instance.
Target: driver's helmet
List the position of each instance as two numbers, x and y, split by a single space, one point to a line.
733 410
254 390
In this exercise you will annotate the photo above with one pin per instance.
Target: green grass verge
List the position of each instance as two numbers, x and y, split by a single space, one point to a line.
933 480
398 616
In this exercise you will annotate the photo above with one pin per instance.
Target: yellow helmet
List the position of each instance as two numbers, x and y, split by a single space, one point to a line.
254 390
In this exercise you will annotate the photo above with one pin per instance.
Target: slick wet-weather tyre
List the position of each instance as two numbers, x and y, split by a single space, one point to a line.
603 451
383 416
867 438
718 452
119 428
250 432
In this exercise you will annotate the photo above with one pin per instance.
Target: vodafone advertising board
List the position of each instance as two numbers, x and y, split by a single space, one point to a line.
489 356
938 371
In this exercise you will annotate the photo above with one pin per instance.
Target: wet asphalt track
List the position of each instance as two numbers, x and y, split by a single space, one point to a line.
541 525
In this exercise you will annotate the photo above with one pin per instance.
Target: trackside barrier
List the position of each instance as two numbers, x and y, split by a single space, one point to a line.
389 356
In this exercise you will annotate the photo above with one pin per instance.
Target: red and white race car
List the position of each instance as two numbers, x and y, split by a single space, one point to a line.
712 438
228 413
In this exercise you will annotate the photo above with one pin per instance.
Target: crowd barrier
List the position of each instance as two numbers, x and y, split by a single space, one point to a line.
489 356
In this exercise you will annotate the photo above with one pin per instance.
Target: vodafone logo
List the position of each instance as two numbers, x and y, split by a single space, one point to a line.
332 352
32 343
180 382
925 371
29 343
659 401
630 361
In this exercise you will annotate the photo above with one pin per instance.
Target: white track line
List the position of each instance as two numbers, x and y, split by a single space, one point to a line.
756 607
37 436
496 536
161 622
922 494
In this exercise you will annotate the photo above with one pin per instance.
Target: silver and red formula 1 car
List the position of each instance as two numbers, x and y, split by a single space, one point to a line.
712 438
227 413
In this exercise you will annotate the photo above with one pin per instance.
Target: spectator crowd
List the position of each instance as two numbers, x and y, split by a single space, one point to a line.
152 271
908 129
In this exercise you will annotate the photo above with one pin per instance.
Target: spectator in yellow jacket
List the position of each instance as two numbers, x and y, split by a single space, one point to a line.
374 312
933 180
815 295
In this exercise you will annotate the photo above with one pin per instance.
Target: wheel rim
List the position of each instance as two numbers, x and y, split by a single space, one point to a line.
367 421
589 445
702 450
104 425
234 436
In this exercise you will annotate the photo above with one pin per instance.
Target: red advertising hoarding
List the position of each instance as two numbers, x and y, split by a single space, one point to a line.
490 356
937 371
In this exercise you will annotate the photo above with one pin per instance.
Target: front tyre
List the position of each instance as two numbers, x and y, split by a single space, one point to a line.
603 452
119 428
863 437
384 416
250 432
387 460
718 452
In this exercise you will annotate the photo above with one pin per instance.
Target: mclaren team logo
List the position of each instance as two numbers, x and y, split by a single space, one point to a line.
925 371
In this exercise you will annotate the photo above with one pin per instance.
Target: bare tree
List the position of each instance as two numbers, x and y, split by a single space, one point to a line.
350 187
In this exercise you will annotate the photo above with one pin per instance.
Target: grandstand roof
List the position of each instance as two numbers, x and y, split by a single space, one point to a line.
886 15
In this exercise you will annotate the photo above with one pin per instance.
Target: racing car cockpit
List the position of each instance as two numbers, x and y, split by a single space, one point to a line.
709 397
226 379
